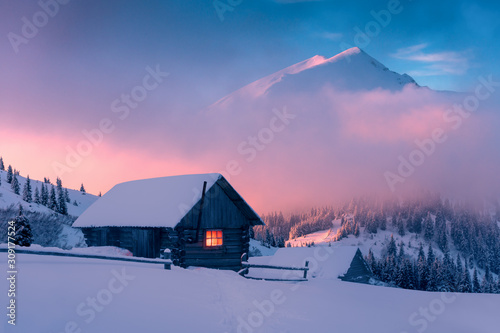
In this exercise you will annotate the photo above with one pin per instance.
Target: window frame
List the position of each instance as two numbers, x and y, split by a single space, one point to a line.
212 247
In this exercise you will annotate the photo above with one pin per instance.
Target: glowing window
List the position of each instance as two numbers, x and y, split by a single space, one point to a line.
213 238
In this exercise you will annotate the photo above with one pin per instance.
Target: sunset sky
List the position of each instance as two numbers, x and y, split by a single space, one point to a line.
68 76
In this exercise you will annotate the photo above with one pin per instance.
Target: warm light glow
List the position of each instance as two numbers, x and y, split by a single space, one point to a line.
213 238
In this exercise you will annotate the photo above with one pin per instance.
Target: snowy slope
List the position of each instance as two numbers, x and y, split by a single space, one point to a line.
318 237
366 241
8 197
351 70
54 295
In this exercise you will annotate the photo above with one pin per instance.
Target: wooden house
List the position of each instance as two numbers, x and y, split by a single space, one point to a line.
200 218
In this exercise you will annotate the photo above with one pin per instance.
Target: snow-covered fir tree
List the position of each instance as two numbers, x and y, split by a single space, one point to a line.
27 194
23 235
61 198
36 196
9 174
15 185
44 195
52 204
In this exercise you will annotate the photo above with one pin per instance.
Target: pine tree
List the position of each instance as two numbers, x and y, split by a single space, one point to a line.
422 271
428 228
23 235
9 174
36 197
458 272
356 229
401 278
27 195
66 195
448 273
394 221
52 204
61 198
401 227
44 195
486 283
417 224
62 208
476 287
441 233
15 185
2 166
82 189
401 253
430 255
383 222
465 285
391 247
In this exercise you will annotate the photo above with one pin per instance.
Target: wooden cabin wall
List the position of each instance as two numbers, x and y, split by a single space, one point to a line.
142 242
184 254
218 212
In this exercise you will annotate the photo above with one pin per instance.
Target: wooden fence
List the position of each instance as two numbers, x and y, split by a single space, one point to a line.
245 268
166 262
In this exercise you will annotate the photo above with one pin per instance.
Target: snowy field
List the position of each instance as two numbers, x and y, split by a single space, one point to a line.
57 294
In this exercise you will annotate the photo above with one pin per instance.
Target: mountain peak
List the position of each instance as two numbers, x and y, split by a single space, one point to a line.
352 69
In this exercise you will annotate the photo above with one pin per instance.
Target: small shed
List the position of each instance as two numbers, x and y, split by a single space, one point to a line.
359 270
200 218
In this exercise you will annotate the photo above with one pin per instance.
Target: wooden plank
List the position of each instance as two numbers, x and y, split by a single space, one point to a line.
279 280
275 267
208 252
226 249
217 256
212 262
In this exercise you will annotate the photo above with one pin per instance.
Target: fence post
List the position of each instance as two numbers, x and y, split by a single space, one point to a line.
305 270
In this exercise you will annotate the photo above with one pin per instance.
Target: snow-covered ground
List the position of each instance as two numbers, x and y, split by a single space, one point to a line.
319 237
257 250
58 294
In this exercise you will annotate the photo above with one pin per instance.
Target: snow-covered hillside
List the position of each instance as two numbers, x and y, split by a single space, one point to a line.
366 241
49 227
57 294
9 198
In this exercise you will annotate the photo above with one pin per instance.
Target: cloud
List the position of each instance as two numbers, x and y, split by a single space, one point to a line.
438 63
338 145
341 143
333 36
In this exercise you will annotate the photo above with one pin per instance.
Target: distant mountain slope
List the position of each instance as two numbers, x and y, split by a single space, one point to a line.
352 70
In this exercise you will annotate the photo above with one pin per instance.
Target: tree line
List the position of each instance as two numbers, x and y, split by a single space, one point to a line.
53 197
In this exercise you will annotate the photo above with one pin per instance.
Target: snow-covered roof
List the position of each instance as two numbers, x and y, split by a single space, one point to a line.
156 202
